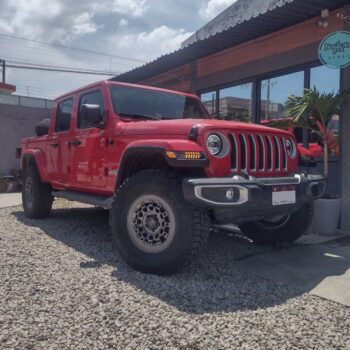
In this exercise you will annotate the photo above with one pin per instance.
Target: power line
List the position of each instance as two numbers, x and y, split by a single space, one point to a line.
58 70
72 48
25 84
32 51
45 65
39 90
39 64
32 66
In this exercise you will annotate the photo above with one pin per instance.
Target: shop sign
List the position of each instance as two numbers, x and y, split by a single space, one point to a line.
334 50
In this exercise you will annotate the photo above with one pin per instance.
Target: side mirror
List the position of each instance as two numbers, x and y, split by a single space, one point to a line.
42 128
91 113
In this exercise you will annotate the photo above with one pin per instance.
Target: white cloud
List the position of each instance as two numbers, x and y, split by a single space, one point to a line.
23 15
124 23
84 24
134 8
151 44
139 29
213 7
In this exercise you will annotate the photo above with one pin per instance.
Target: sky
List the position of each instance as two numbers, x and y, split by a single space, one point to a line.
138 30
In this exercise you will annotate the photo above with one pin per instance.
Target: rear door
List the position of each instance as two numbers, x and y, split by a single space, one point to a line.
59 150
89 146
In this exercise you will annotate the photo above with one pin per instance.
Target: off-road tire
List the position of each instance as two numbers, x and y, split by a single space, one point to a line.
191 223
36 195
292 229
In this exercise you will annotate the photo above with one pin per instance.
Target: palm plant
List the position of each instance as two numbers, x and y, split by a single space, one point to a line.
315 110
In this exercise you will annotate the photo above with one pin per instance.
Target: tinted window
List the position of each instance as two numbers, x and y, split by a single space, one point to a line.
209 101
133 102
236 102
275 93
92 98
64 115
327 80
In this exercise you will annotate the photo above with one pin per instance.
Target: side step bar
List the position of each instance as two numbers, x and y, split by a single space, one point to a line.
93 199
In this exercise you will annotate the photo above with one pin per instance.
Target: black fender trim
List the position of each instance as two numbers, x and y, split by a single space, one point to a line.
172 163
176 163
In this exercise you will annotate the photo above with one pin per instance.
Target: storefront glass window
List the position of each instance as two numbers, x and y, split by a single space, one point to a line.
275 92
326 80
209 100
235 103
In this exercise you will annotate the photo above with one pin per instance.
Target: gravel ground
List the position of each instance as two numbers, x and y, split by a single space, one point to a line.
63 286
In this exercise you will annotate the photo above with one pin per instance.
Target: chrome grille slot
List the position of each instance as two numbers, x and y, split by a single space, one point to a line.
284 154
252 152
234 152
244 157
258 153
261 153
269 153
276 153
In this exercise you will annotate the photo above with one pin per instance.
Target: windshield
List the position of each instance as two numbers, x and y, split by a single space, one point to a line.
132 102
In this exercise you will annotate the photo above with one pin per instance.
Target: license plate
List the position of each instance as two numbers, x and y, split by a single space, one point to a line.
283 194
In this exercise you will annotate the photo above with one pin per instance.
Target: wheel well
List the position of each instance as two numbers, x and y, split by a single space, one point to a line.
27 161
137 161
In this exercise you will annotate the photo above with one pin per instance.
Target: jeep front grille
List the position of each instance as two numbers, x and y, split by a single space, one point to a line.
257 153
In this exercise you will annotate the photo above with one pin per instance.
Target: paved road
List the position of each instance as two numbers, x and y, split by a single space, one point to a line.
10 199
321 269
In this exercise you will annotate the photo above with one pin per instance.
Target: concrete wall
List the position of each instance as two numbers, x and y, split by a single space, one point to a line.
16 122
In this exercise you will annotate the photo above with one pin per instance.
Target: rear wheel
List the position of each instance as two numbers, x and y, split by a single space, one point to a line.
280 229
154 228
36 195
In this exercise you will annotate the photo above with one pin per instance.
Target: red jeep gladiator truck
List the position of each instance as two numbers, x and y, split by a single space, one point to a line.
166 171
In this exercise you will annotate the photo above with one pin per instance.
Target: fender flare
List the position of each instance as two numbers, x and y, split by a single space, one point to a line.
37 156
160 150
130 152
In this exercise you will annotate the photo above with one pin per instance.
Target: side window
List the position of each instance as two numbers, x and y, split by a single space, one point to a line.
92 98
64 115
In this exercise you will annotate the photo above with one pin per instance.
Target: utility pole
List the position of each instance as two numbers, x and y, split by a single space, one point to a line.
2 62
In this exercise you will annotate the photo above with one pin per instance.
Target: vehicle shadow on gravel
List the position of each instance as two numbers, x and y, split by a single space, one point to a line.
210 284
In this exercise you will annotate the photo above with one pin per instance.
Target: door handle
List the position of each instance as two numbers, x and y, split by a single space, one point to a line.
54 144
74 143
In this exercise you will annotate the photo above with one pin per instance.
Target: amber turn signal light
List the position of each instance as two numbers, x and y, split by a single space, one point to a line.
185 155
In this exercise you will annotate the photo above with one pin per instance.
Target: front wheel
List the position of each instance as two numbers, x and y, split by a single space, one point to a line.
154 228
36 195
280 229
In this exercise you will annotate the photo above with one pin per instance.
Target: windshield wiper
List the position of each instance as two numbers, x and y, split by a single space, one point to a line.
141 116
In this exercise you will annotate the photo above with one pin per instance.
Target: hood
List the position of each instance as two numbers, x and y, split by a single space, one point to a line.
183 127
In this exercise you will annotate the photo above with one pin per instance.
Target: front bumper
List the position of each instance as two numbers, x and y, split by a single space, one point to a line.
238 199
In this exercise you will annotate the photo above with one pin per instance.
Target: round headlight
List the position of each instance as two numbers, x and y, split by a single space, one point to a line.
291 148
214 144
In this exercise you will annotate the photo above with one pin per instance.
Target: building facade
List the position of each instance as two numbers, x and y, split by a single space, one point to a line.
247 61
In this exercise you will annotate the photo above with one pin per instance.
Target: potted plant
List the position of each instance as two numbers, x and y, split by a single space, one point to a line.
315 111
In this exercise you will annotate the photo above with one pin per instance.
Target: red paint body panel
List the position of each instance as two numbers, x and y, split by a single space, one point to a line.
91 166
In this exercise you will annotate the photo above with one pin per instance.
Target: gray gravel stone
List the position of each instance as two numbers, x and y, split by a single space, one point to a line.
62 285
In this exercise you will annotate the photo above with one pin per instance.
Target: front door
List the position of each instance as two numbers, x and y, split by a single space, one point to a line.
89 147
